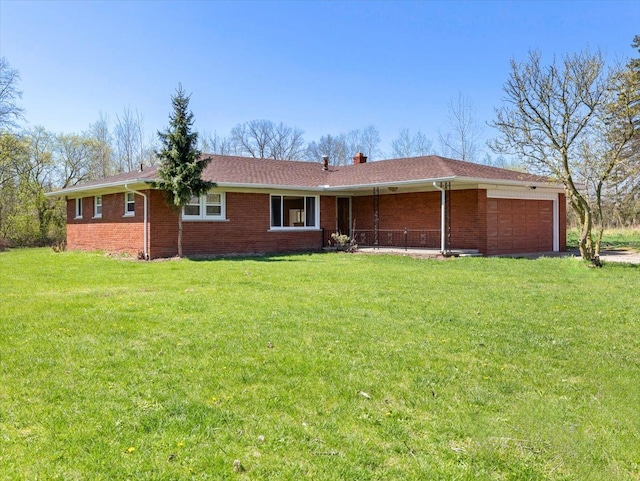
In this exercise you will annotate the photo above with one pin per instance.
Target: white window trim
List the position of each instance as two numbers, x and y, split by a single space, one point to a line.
126 204
79 208
95 207
203 217
294 228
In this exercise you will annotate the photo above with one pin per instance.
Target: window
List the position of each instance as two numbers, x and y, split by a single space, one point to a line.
293 211
210 206
213 205
78 208
192 209
97 206
129 203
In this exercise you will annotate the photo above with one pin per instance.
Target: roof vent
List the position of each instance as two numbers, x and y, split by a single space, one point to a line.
359 158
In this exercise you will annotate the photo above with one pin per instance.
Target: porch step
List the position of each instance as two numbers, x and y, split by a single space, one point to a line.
466 253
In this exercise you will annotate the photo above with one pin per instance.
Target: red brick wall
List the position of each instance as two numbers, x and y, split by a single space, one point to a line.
469 219
246 230
328 216
421 210
113 232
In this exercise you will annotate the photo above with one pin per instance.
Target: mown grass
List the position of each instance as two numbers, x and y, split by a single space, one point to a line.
611 238
331 366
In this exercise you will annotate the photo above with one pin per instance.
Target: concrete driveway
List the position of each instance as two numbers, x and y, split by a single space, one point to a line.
630 256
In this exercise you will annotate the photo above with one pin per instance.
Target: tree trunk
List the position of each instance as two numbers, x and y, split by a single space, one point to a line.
180 233
585 242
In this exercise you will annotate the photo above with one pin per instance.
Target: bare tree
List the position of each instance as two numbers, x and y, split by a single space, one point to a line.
129 145
99 131
553 118
263 139
460 139
287 143
342 147
333 146
407 145
215 144
253 138
365 140
10 111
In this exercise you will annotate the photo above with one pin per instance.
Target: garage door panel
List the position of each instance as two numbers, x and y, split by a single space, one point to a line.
515 225
520 231
519 218
520 242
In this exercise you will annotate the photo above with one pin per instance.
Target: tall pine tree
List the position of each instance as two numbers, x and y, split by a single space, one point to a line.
181 167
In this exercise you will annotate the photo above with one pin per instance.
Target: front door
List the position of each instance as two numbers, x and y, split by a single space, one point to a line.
344 215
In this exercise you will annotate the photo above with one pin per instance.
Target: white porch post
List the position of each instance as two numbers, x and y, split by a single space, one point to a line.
442 218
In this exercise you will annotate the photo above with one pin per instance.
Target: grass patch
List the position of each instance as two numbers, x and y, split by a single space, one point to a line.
611 238
317 366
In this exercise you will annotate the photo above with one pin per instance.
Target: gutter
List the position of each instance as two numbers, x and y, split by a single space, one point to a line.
145 221
442 217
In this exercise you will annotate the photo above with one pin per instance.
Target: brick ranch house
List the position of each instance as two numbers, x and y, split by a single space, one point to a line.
270 206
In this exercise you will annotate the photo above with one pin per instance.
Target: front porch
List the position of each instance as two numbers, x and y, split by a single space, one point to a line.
398 238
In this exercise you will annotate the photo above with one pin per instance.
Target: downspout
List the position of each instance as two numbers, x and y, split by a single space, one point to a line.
145 228
442 218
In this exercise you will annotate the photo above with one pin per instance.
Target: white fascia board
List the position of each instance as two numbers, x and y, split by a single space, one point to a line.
107 187
388 184
241 186
488 183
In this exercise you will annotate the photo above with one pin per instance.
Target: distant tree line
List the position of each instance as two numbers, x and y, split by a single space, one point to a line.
600 148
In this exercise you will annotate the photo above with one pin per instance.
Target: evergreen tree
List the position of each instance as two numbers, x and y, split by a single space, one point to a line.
180 166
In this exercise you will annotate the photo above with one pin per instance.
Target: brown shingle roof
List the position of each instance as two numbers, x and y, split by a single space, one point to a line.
423 168
242 170
245 171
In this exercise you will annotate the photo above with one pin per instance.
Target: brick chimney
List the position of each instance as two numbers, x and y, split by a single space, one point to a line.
325 162
359 158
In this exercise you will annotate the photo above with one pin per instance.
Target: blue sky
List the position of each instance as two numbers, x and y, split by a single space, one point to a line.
323 66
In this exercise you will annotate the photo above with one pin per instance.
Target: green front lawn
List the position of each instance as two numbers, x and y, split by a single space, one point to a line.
323 366
611 238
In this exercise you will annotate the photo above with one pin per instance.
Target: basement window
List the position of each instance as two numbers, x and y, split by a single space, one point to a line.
97 207
210 206
288 211
79 208
129 204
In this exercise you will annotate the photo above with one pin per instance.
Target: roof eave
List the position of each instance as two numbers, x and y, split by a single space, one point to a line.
97 187
241 185
525 183
397 183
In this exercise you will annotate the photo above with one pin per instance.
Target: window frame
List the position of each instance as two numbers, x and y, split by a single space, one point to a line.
78 208
303 215
97 205
128 203
202 208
